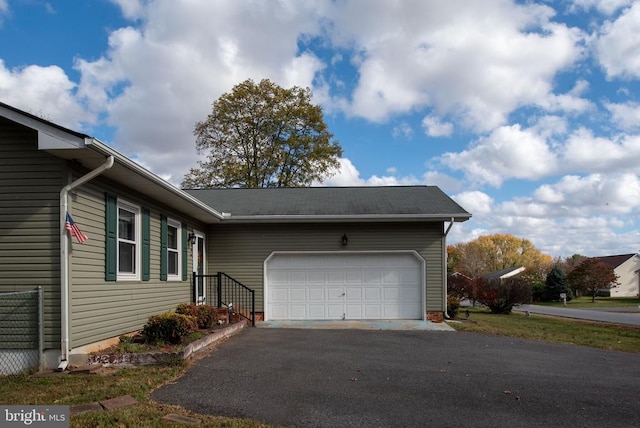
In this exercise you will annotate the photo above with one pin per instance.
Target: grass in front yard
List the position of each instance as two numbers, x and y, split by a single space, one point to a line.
601 302
77 389
553 329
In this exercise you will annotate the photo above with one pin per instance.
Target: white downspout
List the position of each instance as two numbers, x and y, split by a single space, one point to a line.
444 268
64 258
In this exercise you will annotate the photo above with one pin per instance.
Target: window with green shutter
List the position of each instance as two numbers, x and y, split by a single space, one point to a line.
127 241
163 247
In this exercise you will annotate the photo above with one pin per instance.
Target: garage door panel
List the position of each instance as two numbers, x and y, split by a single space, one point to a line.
335 294
316 295
353 277
317 312
372 294
335 311
373 312
278 295
353 293
298 295
316 277
335 277
296 277
298 312
280 311
354 312
372 277
391 294
344 285
408 294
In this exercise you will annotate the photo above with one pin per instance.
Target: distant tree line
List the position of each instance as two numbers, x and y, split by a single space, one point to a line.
544 279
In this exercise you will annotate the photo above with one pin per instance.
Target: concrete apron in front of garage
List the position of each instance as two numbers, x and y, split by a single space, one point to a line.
359 325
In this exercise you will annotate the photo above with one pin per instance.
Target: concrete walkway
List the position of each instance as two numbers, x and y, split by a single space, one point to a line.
630 316
359 325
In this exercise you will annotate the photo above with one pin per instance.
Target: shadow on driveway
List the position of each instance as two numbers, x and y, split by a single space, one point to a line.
364 378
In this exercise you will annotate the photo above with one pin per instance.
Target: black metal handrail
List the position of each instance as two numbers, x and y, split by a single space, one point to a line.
225 291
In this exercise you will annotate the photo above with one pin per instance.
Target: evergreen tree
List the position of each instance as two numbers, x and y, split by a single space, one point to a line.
555 284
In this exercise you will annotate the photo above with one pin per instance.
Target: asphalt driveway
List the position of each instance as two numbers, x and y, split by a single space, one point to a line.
356 378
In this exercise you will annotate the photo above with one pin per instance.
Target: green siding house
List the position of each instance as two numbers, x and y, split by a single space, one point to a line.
312 253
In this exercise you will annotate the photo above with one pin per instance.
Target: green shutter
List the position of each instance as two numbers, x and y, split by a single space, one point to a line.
185 243
146 245
111 237
164 230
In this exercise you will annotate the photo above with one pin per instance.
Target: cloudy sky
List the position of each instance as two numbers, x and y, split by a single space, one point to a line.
526 112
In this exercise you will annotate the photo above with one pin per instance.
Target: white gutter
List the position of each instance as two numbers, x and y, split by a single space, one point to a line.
444 268
106 150
64 257
338 218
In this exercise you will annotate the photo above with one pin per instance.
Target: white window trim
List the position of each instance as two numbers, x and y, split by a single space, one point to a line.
178 226
135 209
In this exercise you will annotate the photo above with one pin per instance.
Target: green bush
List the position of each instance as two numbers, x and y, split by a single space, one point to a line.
206 315
169 327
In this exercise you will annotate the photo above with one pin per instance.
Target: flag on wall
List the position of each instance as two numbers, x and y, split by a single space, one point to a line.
72 227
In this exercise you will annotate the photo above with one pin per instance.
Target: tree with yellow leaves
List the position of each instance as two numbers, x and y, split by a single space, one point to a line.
489 253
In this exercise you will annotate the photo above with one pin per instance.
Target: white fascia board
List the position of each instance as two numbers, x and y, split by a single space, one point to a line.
513 273
49 137
346 218
104 149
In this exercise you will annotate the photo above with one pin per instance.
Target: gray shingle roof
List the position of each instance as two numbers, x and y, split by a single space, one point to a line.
392 201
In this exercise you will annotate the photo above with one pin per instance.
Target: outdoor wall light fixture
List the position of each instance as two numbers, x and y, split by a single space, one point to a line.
192 238
345 240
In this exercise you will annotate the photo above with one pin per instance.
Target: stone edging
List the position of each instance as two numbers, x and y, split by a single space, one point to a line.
150 358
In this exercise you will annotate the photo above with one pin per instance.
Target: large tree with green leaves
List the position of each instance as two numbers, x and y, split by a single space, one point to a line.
263 135
592 275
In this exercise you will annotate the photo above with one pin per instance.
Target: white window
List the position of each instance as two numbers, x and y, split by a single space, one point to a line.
174 250
128 241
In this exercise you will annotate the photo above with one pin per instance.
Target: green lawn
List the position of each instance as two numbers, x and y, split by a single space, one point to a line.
553 329
600 302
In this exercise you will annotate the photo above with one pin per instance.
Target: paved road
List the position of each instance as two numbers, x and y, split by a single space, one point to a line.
602 314
356 378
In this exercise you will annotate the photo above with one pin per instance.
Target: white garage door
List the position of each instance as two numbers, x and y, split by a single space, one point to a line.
333 286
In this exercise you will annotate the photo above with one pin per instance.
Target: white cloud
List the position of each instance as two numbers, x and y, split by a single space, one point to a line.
159 78
584 152
348 175
403 129
4 10
433 127
625 115
476 61
508 152
44 91
608 7
617 50
475 202
445 182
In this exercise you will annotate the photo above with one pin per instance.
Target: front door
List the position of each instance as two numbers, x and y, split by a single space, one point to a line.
200 293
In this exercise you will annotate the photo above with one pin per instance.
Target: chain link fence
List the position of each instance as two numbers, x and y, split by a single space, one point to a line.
21 331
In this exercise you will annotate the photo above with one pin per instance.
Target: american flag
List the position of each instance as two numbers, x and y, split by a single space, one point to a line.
72 227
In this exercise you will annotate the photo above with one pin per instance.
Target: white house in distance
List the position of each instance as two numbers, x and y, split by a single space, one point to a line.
627 267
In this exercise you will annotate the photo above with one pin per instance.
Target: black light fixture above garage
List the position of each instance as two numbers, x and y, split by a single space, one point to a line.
345 240
192 238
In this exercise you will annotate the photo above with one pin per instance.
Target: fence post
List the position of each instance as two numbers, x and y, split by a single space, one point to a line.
40 328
